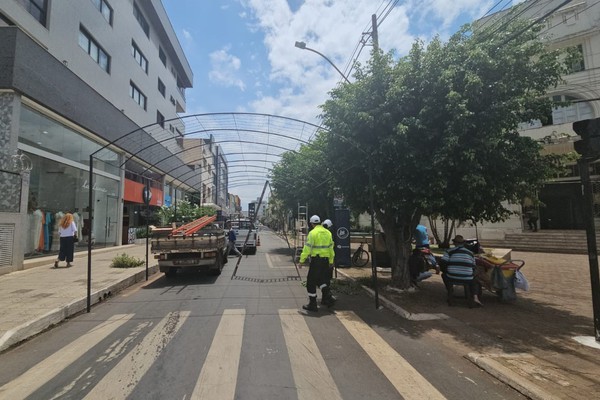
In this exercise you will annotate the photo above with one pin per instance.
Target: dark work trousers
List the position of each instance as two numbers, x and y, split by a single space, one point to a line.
67 248
318 274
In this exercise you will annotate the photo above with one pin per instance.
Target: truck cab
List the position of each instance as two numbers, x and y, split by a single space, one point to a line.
245 228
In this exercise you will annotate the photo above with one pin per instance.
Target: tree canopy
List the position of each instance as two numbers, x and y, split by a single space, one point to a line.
437 131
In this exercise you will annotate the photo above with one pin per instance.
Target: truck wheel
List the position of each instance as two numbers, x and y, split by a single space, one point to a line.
170 273
218 265
253 251
226 258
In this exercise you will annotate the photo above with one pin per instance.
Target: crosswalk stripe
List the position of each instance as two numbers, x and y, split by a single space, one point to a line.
44 371
312 378
123 378
407 380
218 377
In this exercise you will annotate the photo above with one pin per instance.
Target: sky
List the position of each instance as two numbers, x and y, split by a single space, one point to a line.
243 57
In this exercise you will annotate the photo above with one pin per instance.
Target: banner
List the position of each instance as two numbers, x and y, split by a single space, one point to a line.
341 237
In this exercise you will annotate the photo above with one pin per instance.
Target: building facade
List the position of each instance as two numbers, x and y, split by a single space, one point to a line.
76 76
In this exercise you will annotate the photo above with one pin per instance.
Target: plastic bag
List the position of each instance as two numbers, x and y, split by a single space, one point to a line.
520 281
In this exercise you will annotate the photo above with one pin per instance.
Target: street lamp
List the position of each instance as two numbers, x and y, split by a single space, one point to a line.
302 46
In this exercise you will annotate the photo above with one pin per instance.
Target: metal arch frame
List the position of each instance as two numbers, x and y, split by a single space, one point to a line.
114 143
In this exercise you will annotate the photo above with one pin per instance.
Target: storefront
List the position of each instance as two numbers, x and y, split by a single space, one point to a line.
59 183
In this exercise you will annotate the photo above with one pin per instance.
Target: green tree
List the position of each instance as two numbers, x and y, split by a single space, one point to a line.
437 129
304 178
184 212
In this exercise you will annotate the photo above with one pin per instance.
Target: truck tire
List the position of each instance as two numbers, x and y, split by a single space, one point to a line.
218 265
252 251
171 273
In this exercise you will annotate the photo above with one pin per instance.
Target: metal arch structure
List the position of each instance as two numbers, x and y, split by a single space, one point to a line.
161 148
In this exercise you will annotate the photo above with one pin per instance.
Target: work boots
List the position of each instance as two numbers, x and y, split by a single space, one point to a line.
328 299
312 304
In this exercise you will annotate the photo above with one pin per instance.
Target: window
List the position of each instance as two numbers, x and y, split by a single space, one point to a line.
162 56
137 13
576 111
37 8
161 87
137 95
575 59
105 9
139 57
90 46
160 119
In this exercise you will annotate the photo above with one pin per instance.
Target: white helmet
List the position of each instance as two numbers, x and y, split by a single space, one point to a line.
327 223
315 219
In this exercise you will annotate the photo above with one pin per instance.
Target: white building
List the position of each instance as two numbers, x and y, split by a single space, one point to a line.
76 75
575 26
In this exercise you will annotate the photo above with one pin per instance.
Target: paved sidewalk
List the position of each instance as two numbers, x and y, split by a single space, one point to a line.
532 343
40 296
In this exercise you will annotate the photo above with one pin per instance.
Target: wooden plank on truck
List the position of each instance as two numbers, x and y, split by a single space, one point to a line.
194 226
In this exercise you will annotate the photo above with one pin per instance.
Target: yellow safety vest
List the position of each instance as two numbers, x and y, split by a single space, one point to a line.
318 243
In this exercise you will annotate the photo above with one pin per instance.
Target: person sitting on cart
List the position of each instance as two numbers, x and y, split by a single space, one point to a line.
421 237
458 266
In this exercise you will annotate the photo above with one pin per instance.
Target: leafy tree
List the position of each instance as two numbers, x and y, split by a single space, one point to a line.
304 178
185 211
437 130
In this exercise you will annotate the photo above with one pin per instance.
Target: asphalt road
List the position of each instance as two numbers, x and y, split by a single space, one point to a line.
242 337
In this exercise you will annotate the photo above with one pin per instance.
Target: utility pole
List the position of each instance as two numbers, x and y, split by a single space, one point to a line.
375 35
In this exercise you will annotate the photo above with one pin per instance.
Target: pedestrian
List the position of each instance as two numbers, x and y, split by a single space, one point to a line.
319 248
231 237
421 237
459 267
67 231
532 218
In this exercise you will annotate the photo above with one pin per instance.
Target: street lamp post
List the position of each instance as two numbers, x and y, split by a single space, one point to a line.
302 45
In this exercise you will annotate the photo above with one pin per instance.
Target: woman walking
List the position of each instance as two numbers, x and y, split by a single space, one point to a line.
67 231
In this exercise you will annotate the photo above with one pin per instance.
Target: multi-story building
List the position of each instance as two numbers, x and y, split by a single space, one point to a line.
77 75
574 27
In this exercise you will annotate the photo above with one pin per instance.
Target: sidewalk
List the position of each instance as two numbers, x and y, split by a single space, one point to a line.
40 296
531 344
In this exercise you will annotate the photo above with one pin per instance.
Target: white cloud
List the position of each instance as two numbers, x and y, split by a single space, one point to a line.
225 69
334 28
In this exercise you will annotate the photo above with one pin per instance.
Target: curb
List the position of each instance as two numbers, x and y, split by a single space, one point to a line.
396 308
503 374
38 325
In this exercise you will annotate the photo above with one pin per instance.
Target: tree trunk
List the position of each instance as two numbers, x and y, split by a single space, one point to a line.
397 244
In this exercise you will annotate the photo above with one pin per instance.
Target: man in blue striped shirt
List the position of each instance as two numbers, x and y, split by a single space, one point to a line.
459 267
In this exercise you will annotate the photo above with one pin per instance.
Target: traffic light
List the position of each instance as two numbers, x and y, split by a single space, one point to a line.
589 130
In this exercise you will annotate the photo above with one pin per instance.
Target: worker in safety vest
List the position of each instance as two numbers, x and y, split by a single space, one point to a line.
319 247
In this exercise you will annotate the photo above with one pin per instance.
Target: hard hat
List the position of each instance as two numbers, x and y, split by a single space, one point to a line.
327 223
315 219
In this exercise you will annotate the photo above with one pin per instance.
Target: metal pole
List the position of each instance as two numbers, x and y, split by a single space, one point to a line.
147 201
588 198
90 218
374 253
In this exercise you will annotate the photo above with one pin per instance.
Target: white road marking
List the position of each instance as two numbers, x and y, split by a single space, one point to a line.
44 371
218 377
407 380
312 378
122 379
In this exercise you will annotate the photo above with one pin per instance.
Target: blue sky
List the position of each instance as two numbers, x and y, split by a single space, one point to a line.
243 57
